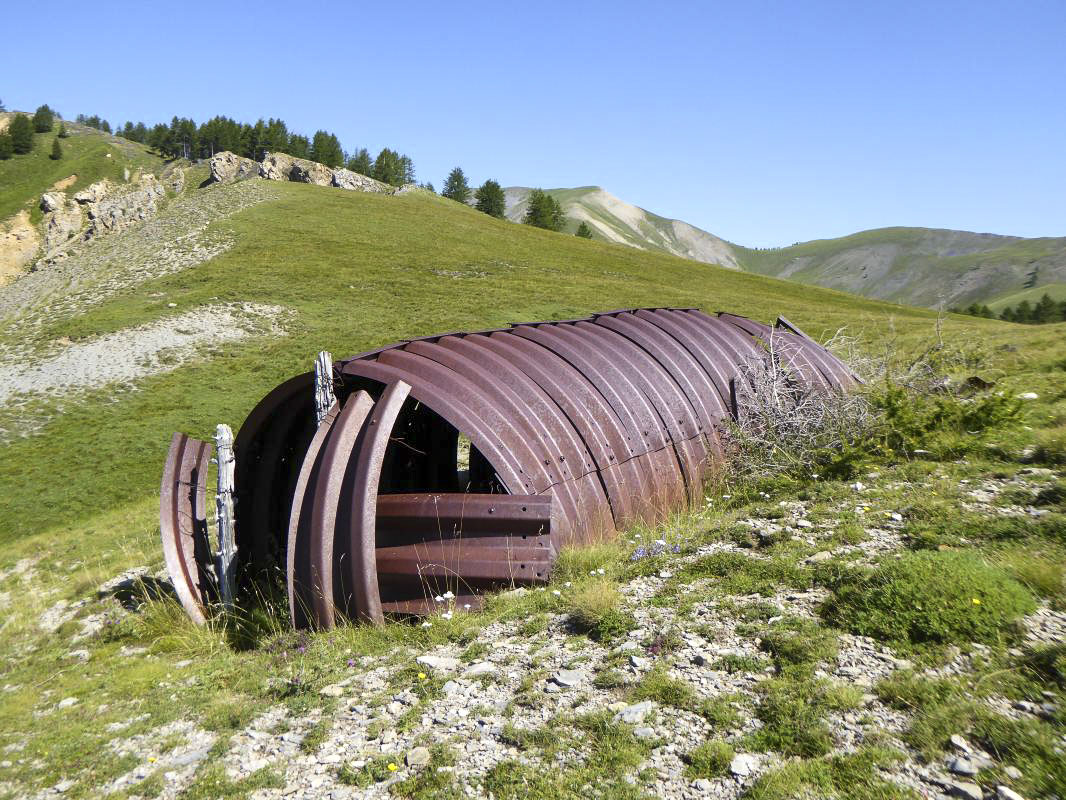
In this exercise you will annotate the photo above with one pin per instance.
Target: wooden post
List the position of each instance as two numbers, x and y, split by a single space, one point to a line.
324 395
224 514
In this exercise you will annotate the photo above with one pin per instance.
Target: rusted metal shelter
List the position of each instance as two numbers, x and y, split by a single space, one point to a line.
463 462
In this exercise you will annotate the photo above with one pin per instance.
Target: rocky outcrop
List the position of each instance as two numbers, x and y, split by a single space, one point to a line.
94 193
116 212
176 180
353 181
62 221
283 167
52 201
304 171
276 167
227 167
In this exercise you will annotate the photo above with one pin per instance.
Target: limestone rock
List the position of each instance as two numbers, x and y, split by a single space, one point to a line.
568 678
276 167
117 212
177 180
353 181
635 713
304 171
743 764
480 668
52 201
94 193
965 790
227 167
61 225
439 663
417 757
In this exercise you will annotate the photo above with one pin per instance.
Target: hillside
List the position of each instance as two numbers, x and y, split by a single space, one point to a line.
88 154
695 657
918 266
615 220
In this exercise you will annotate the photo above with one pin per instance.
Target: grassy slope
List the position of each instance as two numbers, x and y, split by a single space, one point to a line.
85 153
917 265
1057 291
360 271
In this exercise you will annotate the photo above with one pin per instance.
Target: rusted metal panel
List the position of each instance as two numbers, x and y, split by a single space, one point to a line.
183 523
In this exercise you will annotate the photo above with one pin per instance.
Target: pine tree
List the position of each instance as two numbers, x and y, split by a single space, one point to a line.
584 231
1023 312
326 149
456 187
387 168
63 133
407 169
57 151
2 106
43 119
1045 310
21 132
7 147
299 146
490 199
360 162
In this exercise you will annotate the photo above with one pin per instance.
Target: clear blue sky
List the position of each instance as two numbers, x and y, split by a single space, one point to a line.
765 123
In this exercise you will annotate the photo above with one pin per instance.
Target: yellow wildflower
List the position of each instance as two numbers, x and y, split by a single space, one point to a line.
392 767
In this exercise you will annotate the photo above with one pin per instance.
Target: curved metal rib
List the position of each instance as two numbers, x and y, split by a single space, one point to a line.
183 523
363 541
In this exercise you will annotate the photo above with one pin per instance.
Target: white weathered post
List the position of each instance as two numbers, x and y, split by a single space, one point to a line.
224 514
324 395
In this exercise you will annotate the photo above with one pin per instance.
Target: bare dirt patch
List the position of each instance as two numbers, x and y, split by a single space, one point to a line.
19 241
63 185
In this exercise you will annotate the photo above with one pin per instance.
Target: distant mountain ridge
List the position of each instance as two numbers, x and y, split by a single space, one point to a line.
916 266
615 220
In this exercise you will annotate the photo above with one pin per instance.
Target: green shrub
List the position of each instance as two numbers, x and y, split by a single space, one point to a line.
854 776
742 574
930 597
942 420
594 611
793 715
798 645
709 760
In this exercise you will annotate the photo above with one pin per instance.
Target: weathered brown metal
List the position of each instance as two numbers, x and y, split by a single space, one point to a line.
363 532
576 428
331 511
183 523
299 550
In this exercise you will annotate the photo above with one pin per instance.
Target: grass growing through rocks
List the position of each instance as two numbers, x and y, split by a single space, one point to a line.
709 760
931 597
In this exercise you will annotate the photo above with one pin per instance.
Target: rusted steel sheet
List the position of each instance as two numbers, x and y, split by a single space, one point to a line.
183 523
457 463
